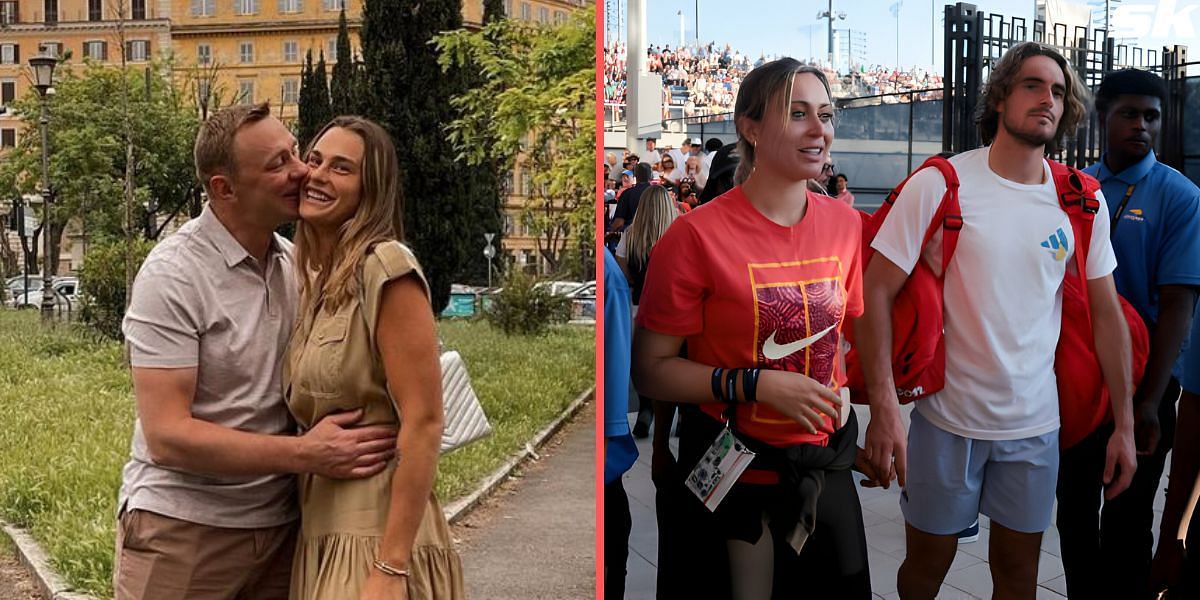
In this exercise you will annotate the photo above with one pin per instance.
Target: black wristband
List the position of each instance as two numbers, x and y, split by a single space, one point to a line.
750 384
716 384
731 386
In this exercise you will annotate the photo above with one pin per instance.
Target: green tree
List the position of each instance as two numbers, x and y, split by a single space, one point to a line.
323 112
536 105
342 87
313 107
410 98
88 154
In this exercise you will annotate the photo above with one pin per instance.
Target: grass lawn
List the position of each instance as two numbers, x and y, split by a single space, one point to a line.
66 416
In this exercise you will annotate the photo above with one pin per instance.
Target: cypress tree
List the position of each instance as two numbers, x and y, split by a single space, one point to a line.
306 124
411 99
323 113
342 87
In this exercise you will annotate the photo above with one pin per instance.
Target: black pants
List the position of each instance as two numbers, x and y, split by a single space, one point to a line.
617 525
1106 552
694 561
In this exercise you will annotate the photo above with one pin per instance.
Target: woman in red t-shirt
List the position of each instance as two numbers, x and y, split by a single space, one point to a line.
758 283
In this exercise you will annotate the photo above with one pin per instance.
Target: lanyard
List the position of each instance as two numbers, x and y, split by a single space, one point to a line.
1120 209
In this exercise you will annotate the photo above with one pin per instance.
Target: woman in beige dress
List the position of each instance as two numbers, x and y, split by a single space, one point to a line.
366 340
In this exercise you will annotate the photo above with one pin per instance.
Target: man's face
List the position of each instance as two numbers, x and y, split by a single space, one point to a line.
1132 124
649 145
626 181
1035 102
269 173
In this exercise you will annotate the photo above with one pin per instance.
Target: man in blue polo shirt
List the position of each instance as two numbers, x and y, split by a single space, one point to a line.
1155 224
619 448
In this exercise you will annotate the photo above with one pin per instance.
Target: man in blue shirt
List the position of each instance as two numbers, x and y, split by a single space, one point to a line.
1155 224
619 448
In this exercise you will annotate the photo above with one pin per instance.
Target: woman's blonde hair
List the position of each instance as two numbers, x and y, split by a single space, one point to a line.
655 213
766 85
334 279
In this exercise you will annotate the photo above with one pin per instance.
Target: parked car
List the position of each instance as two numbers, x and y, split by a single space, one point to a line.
16 287
558 288
66 290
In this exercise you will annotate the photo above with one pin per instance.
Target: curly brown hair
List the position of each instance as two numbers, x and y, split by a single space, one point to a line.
1075 103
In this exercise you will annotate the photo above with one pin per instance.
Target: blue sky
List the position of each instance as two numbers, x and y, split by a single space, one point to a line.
790 27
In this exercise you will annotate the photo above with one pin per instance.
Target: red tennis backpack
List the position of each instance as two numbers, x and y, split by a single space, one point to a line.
918 341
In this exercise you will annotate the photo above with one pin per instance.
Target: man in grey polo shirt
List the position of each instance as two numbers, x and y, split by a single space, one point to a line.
207 501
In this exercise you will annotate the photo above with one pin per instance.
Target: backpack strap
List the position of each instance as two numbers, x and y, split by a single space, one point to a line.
947 218
1076 193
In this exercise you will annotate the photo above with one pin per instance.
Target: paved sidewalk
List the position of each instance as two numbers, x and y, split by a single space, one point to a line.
969 577
536 537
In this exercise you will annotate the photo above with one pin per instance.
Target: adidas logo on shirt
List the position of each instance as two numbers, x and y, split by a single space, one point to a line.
1057 244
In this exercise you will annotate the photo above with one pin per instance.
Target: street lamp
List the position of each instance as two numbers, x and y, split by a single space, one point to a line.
42 66
489 251
829 14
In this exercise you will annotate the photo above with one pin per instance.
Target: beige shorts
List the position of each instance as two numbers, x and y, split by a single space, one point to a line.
162 557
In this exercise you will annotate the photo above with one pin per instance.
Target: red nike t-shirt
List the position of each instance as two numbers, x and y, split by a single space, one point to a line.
748 292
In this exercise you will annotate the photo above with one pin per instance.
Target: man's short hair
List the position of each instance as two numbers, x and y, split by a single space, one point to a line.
213 152
1129 81
642 172
713 144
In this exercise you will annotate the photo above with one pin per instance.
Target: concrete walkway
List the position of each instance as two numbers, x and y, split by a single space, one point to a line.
969 577
536 537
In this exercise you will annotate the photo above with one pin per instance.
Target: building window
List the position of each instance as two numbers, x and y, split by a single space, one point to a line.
95 50
8 138
52 48
291 91
543 15
290 6
204 8
246 52
139 9
508 8
203 54
9 12
331 51
203 88
560 17
291 52
8 91
137 50
10 54
526 12
245 7
508 224
333 4
95 10
51 11
246 91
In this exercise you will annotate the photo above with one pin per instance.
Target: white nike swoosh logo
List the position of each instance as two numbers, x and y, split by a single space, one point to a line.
774 351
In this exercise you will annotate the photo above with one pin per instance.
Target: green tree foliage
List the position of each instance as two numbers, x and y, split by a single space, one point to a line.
342 87
102 282
87 151
524 308
536 104
314 109
410 94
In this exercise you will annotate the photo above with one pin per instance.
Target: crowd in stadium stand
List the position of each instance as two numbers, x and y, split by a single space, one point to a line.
704 79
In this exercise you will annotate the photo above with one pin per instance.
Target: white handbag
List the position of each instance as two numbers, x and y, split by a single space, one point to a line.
465 421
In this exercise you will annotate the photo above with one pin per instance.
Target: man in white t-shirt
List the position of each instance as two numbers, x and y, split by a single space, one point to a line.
652 156
988 442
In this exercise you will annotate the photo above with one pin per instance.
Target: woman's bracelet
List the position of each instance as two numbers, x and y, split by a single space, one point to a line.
716 384
389 569
731 386
750 384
